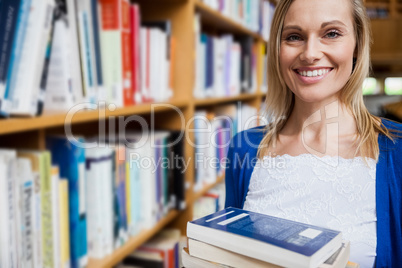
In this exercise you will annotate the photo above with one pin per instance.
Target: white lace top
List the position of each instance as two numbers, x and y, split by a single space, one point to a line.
330 192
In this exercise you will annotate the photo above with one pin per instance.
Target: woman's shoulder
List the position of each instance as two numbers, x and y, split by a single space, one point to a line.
395 130
248 139
392 126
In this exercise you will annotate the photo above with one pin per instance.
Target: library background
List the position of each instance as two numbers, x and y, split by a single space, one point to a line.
109 109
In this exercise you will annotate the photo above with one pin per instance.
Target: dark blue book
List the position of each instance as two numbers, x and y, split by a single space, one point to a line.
8 21
209 62
263 237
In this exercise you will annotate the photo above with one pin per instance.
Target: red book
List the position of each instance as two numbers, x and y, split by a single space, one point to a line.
135 20
127 51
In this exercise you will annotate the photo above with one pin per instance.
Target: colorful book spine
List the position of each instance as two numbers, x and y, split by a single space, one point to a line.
64 224
46 208
135 22
127 51
19 38
8 17
110 37
71 160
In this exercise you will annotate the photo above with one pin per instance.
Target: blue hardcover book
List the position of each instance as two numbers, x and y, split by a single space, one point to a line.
18 43
71 160
8 20
263 237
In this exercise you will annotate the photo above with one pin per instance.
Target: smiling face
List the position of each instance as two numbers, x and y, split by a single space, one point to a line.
316 49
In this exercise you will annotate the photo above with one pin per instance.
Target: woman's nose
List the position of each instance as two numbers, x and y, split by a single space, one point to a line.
311 51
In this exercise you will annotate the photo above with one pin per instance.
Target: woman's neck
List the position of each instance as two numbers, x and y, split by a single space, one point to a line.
328 129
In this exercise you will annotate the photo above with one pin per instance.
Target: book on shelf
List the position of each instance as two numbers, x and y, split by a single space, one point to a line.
160 251
71 161
207 252
263 237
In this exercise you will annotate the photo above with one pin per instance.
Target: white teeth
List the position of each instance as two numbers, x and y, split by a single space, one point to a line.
313 73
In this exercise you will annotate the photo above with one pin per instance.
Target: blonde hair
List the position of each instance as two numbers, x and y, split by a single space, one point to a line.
280 99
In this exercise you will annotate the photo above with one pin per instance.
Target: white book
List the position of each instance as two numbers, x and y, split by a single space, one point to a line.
197 91
99 201
234 84
147 178
155 63
144 40
25 176
84 20
4 216
59 93
218 67
76 81
111 53
201 124
27 90
9 181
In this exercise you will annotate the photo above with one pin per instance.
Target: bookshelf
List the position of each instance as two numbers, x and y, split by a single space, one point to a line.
387 46
31 132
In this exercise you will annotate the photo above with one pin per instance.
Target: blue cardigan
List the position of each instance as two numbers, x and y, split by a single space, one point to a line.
242 159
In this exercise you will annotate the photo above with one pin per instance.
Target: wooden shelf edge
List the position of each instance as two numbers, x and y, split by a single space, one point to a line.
119 254
14 124
206 188
222 100
225 22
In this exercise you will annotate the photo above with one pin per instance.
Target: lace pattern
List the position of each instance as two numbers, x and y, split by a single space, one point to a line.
332 192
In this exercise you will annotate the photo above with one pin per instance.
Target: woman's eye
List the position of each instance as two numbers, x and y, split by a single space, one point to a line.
332 34
293 38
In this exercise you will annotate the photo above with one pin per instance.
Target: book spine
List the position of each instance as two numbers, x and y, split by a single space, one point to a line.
127 50
128 196
75 64
8 18
111 50
64 228
73 168
55 215
46 61
46 210
27 209
97 49
85 38
136 56
24 92
16 50
36 220
95 230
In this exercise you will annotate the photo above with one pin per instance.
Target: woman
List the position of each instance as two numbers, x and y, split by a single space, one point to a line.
324 160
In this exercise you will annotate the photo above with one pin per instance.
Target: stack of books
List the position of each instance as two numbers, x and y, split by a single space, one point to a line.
238 238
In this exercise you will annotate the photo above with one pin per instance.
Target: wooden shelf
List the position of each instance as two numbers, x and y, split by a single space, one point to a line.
213 18
12 125
377 5
119 254
206 188
386 59
223 100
